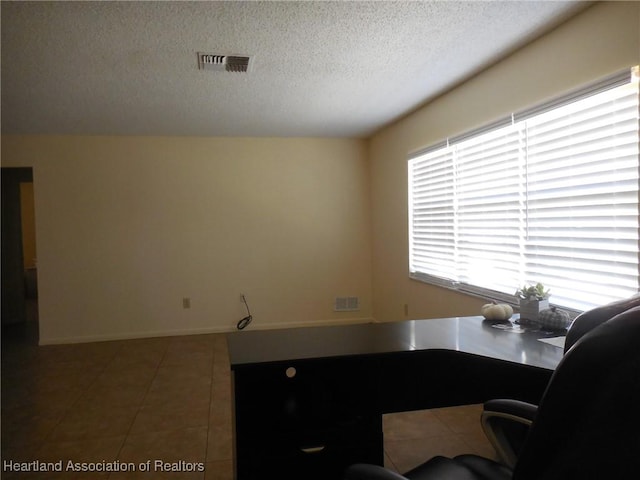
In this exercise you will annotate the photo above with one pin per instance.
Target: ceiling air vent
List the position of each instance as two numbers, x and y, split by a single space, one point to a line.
223 63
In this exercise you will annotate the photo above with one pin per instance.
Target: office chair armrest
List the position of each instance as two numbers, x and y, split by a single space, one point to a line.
506 424
520 411
363 471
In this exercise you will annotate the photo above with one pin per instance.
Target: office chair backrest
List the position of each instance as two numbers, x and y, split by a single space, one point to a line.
588 421
590 319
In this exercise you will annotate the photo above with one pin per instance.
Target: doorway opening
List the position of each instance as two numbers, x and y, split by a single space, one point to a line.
19 258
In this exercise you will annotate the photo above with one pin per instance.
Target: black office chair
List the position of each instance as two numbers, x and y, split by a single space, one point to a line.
592 318
587 425
506 422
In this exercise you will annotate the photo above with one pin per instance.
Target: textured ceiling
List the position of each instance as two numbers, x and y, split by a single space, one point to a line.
319 68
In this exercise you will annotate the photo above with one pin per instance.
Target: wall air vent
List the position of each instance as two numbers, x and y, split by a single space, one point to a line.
223 63
346 304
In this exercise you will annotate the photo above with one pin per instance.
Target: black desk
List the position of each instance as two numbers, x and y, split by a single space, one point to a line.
309 401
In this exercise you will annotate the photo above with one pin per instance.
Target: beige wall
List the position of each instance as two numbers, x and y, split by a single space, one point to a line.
127 227
602 40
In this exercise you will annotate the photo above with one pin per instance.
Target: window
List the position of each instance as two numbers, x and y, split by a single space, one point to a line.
547 195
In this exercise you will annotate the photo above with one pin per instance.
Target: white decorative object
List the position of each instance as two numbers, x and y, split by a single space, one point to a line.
533 299
530 309
497 311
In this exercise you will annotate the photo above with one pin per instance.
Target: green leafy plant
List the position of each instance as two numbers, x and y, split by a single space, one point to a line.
529 292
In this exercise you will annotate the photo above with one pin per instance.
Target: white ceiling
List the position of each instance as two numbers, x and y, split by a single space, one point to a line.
331 69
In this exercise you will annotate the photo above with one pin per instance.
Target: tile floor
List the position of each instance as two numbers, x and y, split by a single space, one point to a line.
167 399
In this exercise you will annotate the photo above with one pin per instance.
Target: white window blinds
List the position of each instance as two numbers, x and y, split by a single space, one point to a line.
489 209
549 195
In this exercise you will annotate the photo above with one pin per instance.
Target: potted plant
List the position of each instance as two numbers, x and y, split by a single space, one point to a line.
533 299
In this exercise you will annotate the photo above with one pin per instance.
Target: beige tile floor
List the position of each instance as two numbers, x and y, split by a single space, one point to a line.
166 399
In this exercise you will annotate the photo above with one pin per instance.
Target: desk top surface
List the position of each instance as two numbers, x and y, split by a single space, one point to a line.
472 335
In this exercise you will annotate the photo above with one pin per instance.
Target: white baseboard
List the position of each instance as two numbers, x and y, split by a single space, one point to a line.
313 323
199 331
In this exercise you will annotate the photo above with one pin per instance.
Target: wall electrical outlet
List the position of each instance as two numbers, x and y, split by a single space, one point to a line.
186 302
